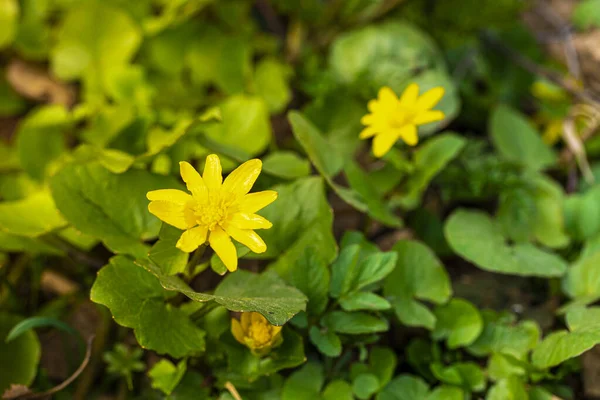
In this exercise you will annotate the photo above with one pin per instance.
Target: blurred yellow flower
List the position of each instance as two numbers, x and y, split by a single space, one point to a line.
217 210
392 118
553 131
256 333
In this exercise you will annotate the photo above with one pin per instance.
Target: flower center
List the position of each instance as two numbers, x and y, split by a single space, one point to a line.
213 213
260 332
401 117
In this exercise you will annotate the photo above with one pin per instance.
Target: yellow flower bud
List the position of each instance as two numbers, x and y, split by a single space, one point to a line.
255 332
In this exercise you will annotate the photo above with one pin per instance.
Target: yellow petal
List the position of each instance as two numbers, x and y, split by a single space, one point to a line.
248 238
409 134
237 331
169 212
384 142
367 132
426 117
430 98
194 182
368 119
242 178
246 320
387 95
212 172
170 195
373 105
249 221
258 318
410 95
192 238
222 245
253 202
275 330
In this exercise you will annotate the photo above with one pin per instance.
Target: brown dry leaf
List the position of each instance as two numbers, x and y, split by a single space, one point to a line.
35 83
591 372
55 283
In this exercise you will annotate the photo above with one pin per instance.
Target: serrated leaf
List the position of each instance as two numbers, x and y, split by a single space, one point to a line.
459 322
477 238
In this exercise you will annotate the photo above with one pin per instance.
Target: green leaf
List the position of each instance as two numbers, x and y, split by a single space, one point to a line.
559 346
216 57
18 359
354 323
459 322
323 156
404 387
418 274
477 238
508 389
429 159
310 274
365 385
271 79
136 300
467 375
326 341
41 139
37 322
85 50
9 22
360 181
14 243
382 363
338 390
32 216
286 165
358 266
302 218
501 336
246 125
582 214
583 278
243 291
116 211
304 384
517 140
164 254
586 14
446 393
364 301
165 376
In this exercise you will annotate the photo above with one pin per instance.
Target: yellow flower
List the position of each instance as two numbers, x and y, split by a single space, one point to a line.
553 131
217 210
256 333
393 118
